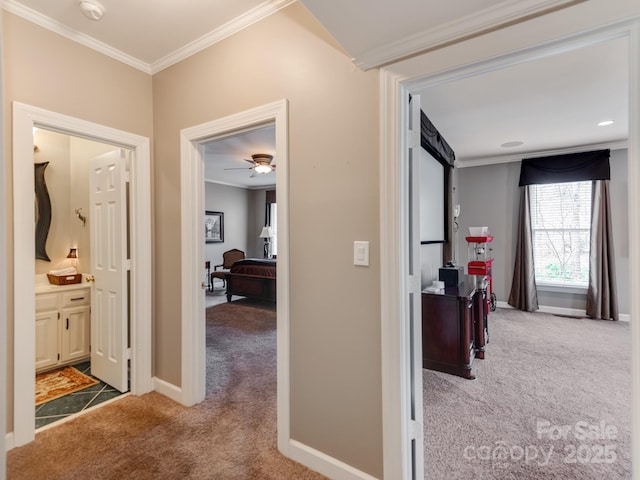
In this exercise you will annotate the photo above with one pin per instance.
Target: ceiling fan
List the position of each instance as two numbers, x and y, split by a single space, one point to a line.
261 164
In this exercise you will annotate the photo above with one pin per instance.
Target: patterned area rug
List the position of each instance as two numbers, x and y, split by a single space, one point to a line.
60 382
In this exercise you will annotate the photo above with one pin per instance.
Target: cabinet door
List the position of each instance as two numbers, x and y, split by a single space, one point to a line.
75 333
46 339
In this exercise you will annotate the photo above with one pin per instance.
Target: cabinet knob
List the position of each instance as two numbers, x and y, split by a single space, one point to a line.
90 278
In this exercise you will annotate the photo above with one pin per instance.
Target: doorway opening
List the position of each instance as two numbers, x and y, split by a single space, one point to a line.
138 347
66 383
394 226
240 295
193 142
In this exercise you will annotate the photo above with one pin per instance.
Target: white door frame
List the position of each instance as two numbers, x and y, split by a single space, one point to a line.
395 90
192 258
25 118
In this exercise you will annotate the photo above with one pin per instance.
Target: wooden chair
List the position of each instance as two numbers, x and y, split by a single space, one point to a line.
228 259
207 267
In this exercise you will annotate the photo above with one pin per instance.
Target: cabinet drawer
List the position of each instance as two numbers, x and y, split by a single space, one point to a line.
76 297
46 301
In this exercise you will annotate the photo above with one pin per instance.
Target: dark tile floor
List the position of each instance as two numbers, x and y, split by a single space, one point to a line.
74 402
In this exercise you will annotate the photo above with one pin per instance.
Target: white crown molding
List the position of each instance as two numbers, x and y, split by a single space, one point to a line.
490 18
234 26
480 161
33 16
238 185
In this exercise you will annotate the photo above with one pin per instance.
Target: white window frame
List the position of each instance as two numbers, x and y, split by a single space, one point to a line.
544 284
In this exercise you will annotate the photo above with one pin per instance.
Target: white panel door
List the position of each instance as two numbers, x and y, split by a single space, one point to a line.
109 317
414 300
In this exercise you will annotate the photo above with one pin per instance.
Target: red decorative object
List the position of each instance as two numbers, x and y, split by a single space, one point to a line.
481 264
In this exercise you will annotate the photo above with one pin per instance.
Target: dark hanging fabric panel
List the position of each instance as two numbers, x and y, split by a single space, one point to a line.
271 196
573 167
434 143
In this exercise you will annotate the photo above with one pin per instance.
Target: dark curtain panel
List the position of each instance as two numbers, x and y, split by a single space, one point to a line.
524 295
270 197
573 167
602 297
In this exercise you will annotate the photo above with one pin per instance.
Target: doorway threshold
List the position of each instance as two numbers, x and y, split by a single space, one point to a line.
70 406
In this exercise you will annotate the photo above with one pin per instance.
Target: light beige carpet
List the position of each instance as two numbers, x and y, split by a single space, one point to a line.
60 382
230 436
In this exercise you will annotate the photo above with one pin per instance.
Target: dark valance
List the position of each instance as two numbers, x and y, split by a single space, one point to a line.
573 167
434 143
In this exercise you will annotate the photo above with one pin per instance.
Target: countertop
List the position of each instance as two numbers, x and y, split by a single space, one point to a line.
43 285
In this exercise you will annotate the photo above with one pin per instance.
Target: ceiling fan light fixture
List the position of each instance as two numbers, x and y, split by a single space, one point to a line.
262 162
92 9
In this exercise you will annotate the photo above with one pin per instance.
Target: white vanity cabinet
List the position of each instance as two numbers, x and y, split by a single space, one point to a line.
63 323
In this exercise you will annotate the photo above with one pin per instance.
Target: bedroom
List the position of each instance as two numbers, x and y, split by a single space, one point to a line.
241 199
488 194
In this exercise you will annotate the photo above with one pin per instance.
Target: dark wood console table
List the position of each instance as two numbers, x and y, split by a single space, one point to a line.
454 329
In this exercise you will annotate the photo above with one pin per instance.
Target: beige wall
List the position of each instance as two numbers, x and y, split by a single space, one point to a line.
67 180
48 71
333 111
333 151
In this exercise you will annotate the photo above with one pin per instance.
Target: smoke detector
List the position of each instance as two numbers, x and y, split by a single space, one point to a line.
92 9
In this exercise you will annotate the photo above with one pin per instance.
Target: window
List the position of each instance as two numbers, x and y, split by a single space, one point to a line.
560 224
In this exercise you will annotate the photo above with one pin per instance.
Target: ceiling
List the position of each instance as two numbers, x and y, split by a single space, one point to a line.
231 152
552 103
147 34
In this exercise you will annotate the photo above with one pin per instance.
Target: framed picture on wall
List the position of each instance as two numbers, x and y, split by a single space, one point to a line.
213 227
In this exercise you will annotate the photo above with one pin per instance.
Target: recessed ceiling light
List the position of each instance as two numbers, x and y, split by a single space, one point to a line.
511 144
605 123
92 9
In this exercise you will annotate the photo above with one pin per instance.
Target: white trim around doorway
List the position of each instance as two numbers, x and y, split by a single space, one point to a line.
192 213
25 118
395 89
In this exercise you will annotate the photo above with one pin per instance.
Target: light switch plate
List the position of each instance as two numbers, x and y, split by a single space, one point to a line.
361 253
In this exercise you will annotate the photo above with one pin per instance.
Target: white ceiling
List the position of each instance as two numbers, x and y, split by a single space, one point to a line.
551 103
231 152
376 32
147 34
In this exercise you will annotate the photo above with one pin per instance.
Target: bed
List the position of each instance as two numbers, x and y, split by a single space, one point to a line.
253 278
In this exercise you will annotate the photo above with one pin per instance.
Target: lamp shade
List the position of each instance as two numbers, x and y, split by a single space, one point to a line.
73 253
266 232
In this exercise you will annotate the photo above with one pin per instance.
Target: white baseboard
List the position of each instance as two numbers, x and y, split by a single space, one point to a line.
624 317
9 442
167 389
323 463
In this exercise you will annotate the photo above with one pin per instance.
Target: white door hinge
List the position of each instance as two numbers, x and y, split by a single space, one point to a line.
415 430
127 176
127 264
128 354
414 284
414 138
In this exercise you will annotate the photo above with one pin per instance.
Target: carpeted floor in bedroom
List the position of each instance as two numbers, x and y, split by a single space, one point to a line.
552 400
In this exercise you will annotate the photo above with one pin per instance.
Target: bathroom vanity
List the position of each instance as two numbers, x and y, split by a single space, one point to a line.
63 324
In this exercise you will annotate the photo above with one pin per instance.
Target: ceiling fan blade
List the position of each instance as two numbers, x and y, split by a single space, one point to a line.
240 168
250 161
253 174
